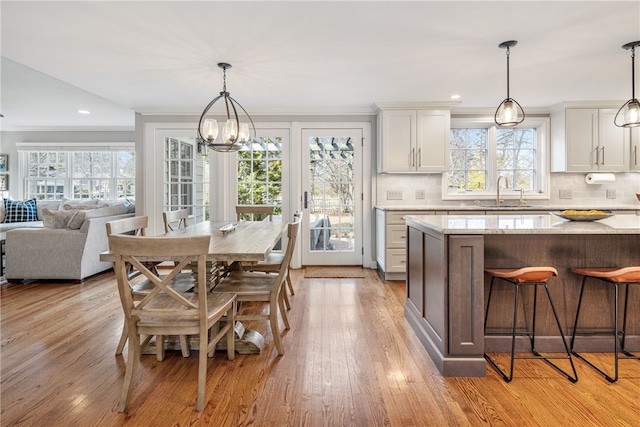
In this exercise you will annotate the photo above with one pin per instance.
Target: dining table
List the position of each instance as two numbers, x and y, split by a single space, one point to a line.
246 242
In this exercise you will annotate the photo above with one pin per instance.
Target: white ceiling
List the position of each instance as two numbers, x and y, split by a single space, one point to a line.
117 57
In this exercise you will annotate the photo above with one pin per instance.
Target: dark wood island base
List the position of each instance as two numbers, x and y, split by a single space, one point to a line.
446 258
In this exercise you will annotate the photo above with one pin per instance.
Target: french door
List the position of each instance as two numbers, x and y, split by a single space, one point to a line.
332 196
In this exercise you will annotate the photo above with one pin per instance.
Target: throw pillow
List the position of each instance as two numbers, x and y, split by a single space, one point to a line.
53 205
20 211
57 219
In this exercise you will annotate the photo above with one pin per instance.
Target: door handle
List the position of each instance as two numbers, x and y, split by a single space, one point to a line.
602 156
305 202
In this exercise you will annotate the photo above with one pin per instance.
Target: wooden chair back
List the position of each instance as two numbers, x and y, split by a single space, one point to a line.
179 216
254 212
135 226
164 311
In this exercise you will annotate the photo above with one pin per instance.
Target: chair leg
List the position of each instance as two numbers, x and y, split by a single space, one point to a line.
231 338
273 320
289 284
495 366
285 297
283 312
184 345
160 348
123 339
133 360
202 369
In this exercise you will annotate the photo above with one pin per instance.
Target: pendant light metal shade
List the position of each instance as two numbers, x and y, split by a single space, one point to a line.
509 112
235 134
629 114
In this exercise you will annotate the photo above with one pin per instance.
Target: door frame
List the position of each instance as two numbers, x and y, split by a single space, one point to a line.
296 184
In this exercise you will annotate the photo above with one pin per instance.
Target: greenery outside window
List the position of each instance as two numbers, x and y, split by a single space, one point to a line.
481 152
51 173
260 173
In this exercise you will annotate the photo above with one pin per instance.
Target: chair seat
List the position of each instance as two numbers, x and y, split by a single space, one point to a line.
247 284
216 306
525 274
618 275
269 265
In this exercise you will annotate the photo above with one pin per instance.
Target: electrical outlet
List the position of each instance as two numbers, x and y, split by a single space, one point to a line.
394 195
611 194
566 194
420 194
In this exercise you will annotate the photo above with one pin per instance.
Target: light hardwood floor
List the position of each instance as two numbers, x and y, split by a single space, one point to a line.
350 360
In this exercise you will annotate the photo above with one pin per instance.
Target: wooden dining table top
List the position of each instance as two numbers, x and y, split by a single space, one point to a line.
249 241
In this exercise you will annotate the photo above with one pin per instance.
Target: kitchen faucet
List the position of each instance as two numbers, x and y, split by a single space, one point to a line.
506 181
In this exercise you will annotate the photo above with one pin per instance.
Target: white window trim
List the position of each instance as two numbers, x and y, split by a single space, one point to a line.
543 160
24 147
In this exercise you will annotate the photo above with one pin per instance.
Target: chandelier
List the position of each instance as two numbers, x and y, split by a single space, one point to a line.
509 112
235 134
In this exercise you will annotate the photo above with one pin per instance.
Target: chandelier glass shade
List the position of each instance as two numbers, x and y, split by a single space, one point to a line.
235 134
509 112
629 114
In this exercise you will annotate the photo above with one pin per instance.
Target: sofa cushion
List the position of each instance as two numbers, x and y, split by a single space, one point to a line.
16 211
80 207
53 205
82 215
76 202
57 219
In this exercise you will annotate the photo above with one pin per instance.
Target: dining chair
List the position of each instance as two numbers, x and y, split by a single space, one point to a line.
179 220
260 287
163 311
179 216
135 226
273 263
254 212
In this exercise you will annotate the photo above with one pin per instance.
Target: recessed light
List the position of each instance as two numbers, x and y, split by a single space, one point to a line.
84 111
455 96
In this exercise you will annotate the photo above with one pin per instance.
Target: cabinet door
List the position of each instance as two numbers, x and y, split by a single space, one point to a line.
613 143
397 141
582 139
432 140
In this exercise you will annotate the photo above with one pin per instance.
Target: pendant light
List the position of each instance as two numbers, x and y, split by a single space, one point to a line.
629 114
509 112
235 134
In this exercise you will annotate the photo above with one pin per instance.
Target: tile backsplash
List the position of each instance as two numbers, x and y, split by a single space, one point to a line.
414 186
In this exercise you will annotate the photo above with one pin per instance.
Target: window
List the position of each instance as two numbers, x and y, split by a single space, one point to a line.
186 179
51 173
260 173
481 152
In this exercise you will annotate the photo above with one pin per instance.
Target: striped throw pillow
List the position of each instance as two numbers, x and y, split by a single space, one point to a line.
20 211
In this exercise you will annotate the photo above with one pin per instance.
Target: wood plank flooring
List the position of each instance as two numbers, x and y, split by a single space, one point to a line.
350 360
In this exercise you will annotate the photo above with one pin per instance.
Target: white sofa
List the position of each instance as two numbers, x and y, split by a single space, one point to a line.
40 252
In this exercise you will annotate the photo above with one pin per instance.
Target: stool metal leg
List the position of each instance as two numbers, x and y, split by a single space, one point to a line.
618 336
532 334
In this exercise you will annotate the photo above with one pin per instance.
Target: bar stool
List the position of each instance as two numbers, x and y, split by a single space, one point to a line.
535 276
616 276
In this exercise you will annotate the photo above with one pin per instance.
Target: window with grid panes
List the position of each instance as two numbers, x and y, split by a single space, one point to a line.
74 174
186 176
260 173
481 152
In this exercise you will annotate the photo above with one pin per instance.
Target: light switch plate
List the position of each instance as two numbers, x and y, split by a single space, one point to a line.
394 194
611 194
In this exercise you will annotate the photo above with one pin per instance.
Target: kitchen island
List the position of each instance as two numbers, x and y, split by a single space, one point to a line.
446 258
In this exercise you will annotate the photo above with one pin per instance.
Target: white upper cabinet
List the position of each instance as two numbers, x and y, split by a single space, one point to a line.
413 140
587 140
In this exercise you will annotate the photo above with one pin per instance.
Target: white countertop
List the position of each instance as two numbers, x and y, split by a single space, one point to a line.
524 224
481 207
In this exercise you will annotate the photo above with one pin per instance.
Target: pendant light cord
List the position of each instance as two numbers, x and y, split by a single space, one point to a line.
633 73
507 72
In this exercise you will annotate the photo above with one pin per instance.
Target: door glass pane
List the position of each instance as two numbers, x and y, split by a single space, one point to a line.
331 201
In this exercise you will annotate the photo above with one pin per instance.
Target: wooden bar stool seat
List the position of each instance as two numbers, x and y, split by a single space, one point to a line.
615 276
536 276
